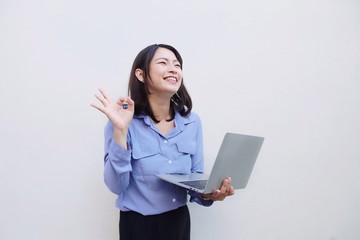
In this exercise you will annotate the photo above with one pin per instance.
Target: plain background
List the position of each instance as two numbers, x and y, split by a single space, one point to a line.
285 70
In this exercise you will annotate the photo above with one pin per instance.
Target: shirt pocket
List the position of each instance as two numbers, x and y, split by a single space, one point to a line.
185 151
144 160
186 146
144 150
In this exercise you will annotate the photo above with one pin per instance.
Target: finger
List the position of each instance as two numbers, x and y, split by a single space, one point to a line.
98 107
217 195
128 101
105 95
229 184
131 104
232 191
101 99
225 187
102 91
123 103
122 100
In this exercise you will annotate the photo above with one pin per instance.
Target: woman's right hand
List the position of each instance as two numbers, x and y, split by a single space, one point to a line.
119 117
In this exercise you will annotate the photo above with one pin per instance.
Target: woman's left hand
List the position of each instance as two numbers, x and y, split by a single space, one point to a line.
219 195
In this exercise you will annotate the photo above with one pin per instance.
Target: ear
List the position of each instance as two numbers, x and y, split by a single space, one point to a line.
139 74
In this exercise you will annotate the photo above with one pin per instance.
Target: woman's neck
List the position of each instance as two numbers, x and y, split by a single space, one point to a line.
160 108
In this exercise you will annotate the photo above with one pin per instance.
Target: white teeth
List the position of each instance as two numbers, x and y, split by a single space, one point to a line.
171 79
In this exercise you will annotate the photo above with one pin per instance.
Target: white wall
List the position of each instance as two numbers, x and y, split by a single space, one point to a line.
285 70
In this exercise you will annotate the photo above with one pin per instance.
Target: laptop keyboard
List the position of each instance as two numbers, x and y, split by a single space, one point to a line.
199 184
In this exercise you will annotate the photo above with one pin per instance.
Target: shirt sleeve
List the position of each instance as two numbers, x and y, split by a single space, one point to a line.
117 163
198 165
196 197
197 158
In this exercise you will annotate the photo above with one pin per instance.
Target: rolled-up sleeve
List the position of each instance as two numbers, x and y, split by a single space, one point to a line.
117 163
198 163
196 197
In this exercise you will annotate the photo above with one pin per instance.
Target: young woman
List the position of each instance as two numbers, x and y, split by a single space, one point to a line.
154 131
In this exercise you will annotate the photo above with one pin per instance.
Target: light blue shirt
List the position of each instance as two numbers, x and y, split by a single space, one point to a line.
131 173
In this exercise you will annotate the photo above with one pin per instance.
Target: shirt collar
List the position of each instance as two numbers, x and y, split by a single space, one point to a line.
180 122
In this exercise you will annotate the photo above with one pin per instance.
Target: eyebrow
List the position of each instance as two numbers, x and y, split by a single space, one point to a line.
166 59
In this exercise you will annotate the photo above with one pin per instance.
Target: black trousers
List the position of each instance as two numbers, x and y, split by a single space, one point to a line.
172 225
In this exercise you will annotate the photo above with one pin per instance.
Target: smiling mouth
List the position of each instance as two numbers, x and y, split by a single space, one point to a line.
171 79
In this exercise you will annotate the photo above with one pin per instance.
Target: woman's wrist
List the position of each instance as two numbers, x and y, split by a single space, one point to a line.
120 137
204 197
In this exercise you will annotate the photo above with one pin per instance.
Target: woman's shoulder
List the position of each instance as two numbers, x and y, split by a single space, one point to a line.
194 115
191 117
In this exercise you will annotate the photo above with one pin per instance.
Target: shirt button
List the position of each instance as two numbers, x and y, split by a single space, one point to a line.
169 161
165 141
174 199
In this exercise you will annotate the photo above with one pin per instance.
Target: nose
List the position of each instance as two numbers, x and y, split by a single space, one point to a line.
172 69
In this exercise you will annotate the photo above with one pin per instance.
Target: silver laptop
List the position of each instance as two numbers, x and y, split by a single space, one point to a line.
235 159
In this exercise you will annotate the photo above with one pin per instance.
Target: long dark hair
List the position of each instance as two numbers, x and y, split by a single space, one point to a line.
139 91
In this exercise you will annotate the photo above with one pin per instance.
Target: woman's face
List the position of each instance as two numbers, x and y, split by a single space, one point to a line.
165 73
